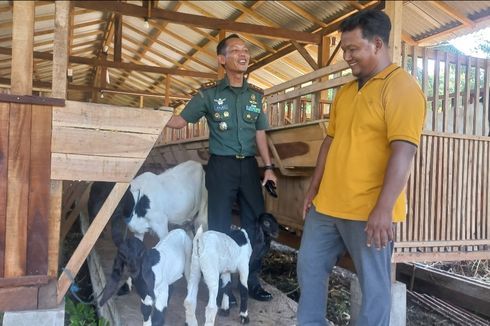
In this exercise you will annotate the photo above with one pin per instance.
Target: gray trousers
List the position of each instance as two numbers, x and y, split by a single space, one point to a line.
323 242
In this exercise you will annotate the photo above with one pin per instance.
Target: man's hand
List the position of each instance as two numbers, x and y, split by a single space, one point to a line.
379 228
269 175
308 202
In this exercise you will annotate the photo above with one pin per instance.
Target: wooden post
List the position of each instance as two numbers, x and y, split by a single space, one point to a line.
167 90
60 64
142 101
221 69
19 141
394 9
323 58
117 38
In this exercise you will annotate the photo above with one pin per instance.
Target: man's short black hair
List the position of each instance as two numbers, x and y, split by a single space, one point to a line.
221 48
372 23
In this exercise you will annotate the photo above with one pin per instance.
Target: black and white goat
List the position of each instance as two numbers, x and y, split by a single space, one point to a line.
216 255
153 271
177 196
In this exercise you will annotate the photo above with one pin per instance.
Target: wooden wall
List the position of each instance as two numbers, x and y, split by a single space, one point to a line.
25 166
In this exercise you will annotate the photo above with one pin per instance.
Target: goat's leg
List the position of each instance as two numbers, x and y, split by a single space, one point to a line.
211 277
224 294
146 307
161 302
244 295
190 301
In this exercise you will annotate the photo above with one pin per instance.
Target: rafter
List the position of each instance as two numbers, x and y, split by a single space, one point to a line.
441 5
199 21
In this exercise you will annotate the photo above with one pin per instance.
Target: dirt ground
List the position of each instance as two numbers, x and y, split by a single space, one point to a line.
280 270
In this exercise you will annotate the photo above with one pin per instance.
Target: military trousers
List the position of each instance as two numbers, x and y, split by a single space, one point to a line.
228 180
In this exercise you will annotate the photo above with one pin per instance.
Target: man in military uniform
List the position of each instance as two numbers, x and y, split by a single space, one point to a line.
233 110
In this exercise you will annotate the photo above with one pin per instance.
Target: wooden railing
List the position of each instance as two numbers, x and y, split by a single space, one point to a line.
456 87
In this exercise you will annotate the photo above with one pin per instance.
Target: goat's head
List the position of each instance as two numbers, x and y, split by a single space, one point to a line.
129 253
269 225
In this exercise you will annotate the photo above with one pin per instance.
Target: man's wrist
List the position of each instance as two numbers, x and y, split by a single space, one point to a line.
269 166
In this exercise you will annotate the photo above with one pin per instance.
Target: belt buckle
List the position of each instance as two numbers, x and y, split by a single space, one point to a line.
239 157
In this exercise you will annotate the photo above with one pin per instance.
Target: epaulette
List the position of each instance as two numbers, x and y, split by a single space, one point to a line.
208 85
256 88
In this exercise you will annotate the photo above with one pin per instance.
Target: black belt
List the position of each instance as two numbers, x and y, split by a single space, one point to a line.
236 157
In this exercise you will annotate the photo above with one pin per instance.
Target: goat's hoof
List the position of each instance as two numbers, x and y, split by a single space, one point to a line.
224 312
244 320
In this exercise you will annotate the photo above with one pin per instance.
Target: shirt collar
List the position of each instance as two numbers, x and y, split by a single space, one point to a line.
223 83
383 74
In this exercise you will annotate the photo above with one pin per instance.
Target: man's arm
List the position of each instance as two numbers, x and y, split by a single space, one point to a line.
379 228
317 174
261 140
176 122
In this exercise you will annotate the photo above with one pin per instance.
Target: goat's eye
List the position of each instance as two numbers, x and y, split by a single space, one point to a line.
267 223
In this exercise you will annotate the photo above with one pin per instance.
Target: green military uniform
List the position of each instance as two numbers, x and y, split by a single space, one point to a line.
233 114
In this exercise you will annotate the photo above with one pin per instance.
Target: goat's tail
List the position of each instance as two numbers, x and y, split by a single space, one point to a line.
195 242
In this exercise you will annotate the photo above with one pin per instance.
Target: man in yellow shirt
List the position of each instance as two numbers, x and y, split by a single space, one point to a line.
357 189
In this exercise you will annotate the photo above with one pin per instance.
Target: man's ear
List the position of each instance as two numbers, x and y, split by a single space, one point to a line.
378 43
221 59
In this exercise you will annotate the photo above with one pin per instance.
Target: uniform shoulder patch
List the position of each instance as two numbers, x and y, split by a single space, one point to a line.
256 88
208 85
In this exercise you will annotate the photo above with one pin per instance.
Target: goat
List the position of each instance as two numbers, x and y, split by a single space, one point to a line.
177 196
217 254
153 271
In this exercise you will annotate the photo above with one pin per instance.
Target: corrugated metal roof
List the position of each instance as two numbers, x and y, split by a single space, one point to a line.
168 44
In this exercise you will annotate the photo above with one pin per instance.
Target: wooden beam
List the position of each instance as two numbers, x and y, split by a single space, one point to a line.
121 65
117 37
60 50
167 90
305 55
394 9
441 5
22 40
221 69
199 21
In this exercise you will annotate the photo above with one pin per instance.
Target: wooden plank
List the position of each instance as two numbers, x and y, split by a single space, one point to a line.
39 191
486 99
102 142
476 100
93 168
18 182
442 256
466 98
4 136
457 98
109 117
446 102
18 299
440 243
23 281
90 238
60 49
54 227
31 99
22 40
435 101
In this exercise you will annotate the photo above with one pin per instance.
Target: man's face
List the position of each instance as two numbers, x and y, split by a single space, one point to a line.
236 56
360 53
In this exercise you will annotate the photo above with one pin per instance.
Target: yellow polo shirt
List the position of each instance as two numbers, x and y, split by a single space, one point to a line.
363 122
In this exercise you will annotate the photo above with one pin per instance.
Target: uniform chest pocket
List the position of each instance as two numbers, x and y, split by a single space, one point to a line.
251 113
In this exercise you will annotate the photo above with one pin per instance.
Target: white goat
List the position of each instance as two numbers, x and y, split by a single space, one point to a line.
215 253
177 196
153 271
